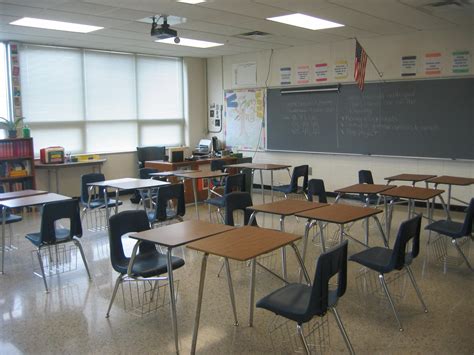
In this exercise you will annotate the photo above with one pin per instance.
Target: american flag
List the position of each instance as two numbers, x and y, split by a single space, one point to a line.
360 64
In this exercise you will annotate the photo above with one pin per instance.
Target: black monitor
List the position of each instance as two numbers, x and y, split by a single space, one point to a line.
150 153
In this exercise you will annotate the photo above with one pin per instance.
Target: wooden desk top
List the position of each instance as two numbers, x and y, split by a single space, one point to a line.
174 235
339 213
244 243
410 177
412 192
286 207
34 200
109 182
364 189
22 193
40 165
258 166
201 174
452 180
172 172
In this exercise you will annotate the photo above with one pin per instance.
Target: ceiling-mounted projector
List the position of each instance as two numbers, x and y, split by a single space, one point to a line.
163 31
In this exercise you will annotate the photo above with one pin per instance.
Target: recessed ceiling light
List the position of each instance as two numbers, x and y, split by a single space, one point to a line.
54 25
190 42
193 2
305 21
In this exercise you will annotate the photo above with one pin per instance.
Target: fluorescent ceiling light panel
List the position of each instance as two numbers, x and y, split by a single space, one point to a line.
193 2
54 25
305 21
190 42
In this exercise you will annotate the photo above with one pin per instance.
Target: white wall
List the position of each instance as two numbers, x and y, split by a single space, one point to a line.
119 165
340 170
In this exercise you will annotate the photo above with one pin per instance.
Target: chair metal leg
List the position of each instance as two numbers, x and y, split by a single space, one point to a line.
299 328
385 288
415 285
42 269
343 330
79 246
117 283
456 245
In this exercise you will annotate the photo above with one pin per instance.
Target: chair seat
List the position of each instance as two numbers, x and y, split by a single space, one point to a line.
10 218
449 228
150 264
376 258
286 189
99 203
292 301
170 214
218 202
62 235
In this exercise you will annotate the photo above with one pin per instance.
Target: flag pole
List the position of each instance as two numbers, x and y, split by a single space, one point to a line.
368 56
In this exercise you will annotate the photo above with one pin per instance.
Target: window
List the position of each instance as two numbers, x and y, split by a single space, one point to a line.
96 101
3 85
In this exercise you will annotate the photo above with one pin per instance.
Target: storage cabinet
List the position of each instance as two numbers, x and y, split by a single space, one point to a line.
17 168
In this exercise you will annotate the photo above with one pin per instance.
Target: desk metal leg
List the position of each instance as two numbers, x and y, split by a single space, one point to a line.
4 217
367 232
106 206
308 226
283 250
262 186
209 197
116 200
271 183
252 290
301 262
448 204
231 290
195 198
379 225
199 303
339 195
57 179
341 237
174 320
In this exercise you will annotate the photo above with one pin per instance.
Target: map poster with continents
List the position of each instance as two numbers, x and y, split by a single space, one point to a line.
245 113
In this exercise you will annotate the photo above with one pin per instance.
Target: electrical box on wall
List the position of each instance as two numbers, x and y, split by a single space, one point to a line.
214 124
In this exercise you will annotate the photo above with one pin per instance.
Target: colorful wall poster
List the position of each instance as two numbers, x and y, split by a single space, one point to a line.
433 63
285 75
408 65
302 74
461 62
321 72
341 69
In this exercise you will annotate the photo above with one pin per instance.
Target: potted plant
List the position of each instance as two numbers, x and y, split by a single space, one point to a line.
10 126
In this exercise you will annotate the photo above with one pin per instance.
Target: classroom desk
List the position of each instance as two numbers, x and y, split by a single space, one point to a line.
260 167
366 189
26 201
56 167
283 208
21 193
242 244
125 184
340 214
171 173
172 236
450 181
411 193
414 178
194 176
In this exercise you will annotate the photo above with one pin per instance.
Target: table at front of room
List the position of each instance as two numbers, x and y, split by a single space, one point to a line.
96 164
413 178
241 244
172 236
412 194
283 208
261 168
31 200
450 181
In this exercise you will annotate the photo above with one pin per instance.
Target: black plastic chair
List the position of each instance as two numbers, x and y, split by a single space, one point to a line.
170 204
456 230
50 234
148 264
384 260
301 302
316 188
365 177
299 172
238 201
149 153
232 183
9 218
218 165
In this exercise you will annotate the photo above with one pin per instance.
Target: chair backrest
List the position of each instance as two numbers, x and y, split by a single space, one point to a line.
87 179
330 263
54 211
234 183
218 164
468 220
365 177
409 230
120 224
247 172
237 201
167 193
299 172
149 153
144 173
316 188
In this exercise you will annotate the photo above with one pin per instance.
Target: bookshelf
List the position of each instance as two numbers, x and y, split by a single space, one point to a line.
17 168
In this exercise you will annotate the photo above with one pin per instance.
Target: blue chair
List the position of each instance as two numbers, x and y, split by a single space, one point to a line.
238 201
316 188
232 183
365 177
170 204
385 260
218 165
149 264
301 302
49 235
456 230
299 172
9 218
